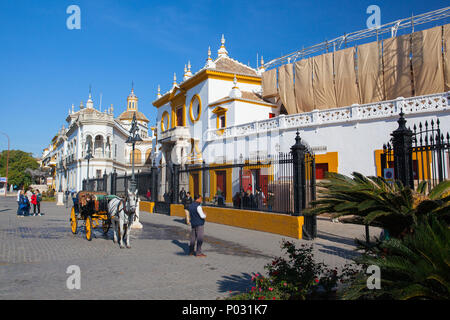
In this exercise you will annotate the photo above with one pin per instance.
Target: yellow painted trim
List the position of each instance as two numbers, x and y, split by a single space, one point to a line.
243 100
229 183
191 183
290 226
165 115
175 117
146 206
415 156
202 76
196 96
331 158
219 111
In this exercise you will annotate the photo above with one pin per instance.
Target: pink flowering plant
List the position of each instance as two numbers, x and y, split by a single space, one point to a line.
298 277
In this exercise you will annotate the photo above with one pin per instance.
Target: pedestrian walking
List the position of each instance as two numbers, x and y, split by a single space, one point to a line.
29 194
197 217
259 198
148 195
38 202
19 192
270 200
67 198
24 205
34 203
182 194
187 201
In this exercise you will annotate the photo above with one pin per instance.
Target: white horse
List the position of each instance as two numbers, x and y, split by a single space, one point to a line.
122 213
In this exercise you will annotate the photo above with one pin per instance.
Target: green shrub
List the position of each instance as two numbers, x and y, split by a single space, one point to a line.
297 278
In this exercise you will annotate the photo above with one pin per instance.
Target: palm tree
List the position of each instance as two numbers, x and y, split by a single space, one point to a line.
415 267
394 207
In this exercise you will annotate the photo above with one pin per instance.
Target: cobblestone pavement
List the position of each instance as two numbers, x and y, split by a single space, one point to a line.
35 253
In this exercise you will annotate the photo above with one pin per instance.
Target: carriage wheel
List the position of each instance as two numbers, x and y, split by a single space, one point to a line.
106 224
73 221
88 225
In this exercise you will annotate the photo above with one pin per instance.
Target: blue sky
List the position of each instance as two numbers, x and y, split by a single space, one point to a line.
45 67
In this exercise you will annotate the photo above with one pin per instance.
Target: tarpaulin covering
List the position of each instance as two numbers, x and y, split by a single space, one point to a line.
269 83
345 78
447 57
286 87
370 72
397 67
304 92
323 84
427 61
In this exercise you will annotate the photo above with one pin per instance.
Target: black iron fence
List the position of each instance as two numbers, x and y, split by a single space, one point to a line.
283 183
114 184
417 155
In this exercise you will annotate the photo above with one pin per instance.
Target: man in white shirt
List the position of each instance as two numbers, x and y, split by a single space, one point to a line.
197 219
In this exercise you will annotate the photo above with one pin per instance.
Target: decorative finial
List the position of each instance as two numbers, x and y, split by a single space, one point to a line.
222 51
235 92
189 66
174 78
261 68
159 92
209 62
132 86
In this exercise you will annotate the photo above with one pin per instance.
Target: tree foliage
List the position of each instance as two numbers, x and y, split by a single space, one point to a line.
19 161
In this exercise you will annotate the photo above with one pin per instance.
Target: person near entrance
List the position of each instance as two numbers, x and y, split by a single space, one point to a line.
187 201
197 217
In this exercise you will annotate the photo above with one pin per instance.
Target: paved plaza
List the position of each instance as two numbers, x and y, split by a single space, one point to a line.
35 253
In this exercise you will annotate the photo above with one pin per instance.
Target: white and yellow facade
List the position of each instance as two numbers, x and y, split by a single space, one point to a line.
105 135
224 92
217 115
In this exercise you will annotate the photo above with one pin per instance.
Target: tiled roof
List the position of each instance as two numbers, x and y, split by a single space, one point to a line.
128 115
230 65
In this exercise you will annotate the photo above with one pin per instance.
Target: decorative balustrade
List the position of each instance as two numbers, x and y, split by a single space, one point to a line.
174 133
356 112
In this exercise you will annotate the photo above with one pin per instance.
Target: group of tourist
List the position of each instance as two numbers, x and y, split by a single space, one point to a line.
253 201
26 199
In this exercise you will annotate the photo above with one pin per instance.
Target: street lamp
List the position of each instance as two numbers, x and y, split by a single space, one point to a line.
88 157
133 138
7 161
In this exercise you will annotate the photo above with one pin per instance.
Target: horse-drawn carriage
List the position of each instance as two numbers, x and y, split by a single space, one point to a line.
95 208
92 208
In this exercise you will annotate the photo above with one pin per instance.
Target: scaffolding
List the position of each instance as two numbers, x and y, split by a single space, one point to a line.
375 33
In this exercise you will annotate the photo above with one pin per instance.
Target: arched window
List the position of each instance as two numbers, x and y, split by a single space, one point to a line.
165 121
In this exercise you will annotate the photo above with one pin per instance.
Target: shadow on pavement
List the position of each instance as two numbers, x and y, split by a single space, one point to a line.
183 246
334 238
336 251
240 283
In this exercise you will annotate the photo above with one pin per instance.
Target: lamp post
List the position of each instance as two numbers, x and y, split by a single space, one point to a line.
88 157
133 138
7 161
